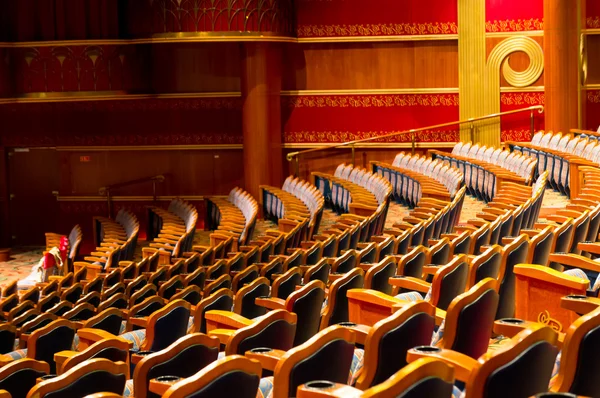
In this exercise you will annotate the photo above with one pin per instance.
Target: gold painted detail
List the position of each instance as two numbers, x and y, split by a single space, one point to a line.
593 22
368 101
593 97
511 25
544 317
344 136
498 63
385 91
430 28
522 98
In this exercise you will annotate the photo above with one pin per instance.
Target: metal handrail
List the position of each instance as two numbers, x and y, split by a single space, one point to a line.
296 155
105 191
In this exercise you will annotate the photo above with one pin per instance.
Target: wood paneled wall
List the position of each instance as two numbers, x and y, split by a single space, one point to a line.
371 66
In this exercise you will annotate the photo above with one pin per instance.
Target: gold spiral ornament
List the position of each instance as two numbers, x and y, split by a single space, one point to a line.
498 62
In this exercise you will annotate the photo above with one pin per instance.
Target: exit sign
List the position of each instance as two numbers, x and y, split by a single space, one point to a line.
85 159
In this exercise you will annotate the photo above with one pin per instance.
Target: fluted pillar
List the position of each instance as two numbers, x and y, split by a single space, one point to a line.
561 59
261 115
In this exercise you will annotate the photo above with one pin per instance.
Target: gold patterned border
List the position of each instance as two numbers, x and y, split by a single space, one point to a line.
593 97
401 29
368 101
522 99
593 22
330 137
512 25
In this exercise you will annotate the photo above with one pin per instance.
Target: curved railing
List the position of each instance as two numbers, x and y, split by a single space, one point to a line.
295 156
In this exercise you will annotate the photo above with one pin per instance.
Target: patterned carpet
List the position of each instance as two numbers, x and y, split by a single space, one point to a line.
24 258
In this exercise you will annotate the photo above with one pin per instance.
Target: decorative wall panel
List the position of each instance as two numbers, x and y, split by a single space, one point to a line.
339 118
165 17
355 18
514 15
592 110
80 68
182 121
592 11
517 127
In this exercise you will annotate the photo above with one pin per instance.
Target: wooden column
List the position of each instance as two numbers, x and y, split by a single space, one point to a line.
4 199
561 59
261 115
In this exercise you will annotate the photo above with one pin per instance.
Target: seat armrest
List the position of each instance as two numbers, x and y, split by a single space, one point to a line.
270 303
222 334
336 390
580 304
267 357
89 336
590 247
225 320
463 365
410 283
139 321
510 327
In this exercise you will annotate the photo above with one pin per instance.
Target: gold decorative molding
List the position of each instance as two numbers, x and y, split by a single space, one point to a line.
116 148
183 37
435 90
498 63
531 33
400 145
534 89
590 31
439 90
516 26
108 96
471 61
98 198
591 87
390 38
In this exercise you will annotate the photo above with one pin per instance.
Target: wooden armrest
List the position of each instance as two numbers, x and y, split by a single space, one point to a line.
590 247
222 334
139 321
580 304
89 336
160 387
271 303
410 283
360 331
463 364
217 319
510 327
431 269
268 359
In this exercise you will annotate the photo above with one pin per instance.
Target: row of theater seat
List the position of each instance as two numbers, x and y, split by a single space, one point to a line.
234 216
116 241
172 230
354 190
557 153
413 177
325 309
486 169
296 201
